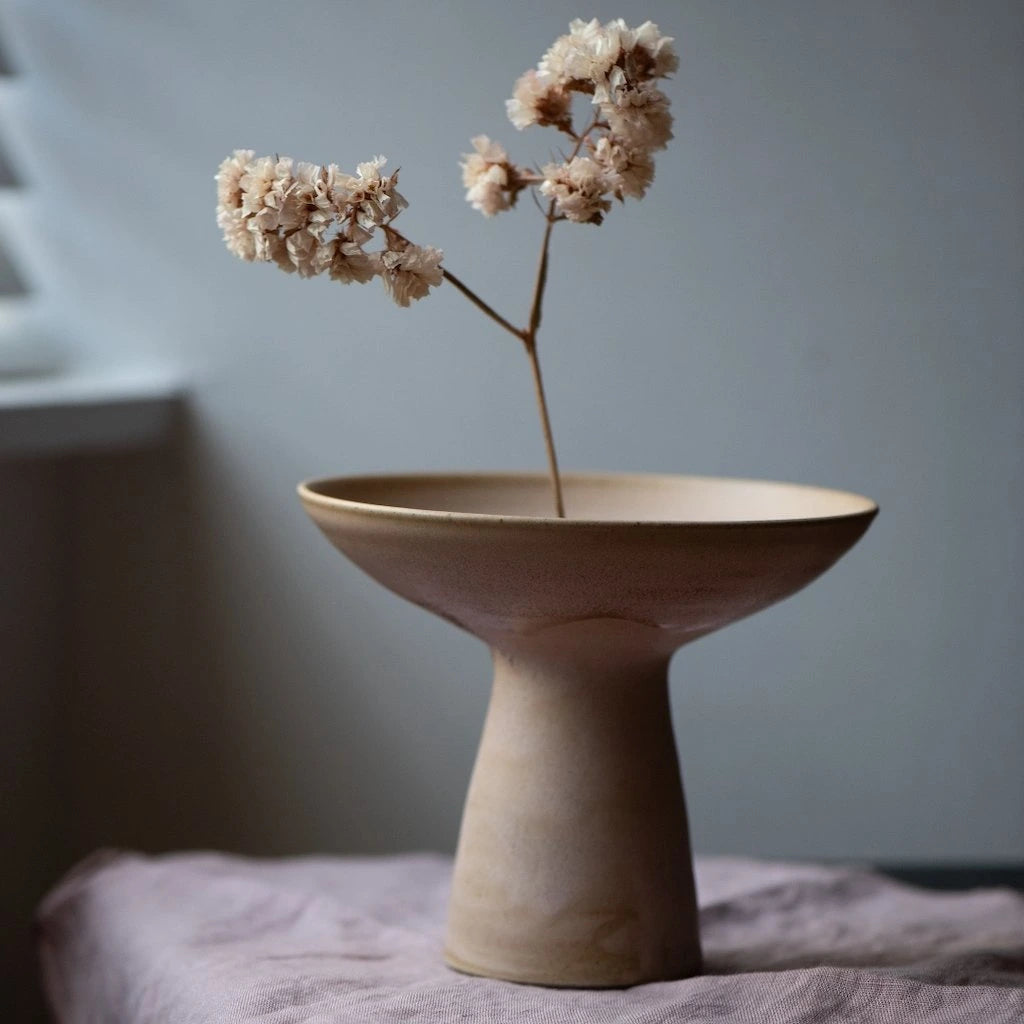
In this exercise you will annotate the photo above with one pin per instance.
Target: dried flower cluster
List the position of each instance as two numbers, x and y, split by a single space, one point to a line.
314 220
618 67
311 219
492 183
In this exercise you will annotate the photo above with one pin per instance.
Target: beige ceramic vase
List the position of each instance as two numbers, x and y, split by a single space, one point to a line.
573 865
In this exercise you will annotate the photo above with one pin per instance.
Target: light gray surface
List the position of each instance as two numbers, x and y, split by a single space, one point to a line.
823 285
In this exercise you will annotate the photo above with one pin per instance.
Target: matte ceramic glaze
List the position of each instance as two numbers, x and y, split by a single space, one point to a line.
573 865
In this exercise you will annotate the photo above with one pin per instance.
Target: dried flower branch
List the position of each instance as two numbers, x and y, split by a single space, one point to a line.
312 220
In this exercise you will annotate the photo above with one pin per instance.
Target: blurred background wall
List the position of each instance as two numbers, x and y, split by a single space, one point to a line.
823 285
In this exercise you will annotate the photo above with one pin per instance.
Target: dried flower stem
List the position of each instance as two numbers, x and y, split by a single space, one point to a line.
530 341
545 422
528 334
481 305
542 280
529 337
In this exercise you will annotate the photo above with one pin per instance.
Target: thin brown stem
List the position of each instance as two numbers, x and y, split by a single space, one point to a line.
483 306
530 336
530 341
581 138
465 289
545 422
542 279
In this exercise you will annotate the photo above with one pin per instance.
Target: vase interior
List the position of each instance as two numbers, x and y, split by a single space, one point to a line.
683 555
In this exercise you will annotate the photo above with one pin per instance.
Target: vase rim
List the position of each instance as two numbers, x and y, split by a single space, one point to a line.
316 491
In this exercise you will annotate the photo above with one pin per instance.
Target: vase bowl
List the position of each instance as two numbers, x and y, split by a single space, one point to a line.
573 866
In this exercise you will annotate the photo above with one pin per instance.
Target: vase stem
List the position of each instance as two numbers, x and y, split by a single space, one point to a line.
574 862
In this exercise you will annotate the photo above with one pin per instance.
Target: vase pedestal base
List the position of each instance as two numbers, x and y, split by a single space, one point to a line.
574 865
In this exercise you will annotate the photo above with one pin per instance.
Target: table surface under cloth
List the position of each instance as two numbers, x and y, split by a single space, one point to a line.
189 938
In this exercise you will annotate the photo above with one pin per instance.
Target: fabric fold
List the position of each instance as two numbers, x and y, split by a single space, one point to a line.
204 937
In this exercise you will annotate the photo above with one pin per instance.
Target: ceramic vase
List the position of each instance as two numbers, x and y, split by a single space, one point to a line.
573 865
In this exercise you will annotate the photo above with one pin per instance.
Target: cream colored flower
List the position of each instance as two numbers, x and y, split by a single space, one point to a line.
586 56
492 183
410 273
340 187
229 176
647 53
311 219
583 57
265 187
539 98
578 188
276 249
237 236
262 241
638 115
354 233
310 255
308 202
351 265
628 171
373 199
264 183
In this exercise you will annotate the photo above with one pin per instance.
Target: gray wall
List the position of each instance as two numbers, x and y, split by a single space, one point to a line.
823 285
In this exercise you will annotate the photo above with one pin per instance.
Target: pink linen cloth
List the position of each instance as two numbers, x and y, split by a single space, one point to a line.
197 938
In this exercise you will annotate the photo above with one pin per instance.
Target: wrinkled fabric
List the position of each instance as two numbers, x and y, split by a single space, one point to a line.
196 938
